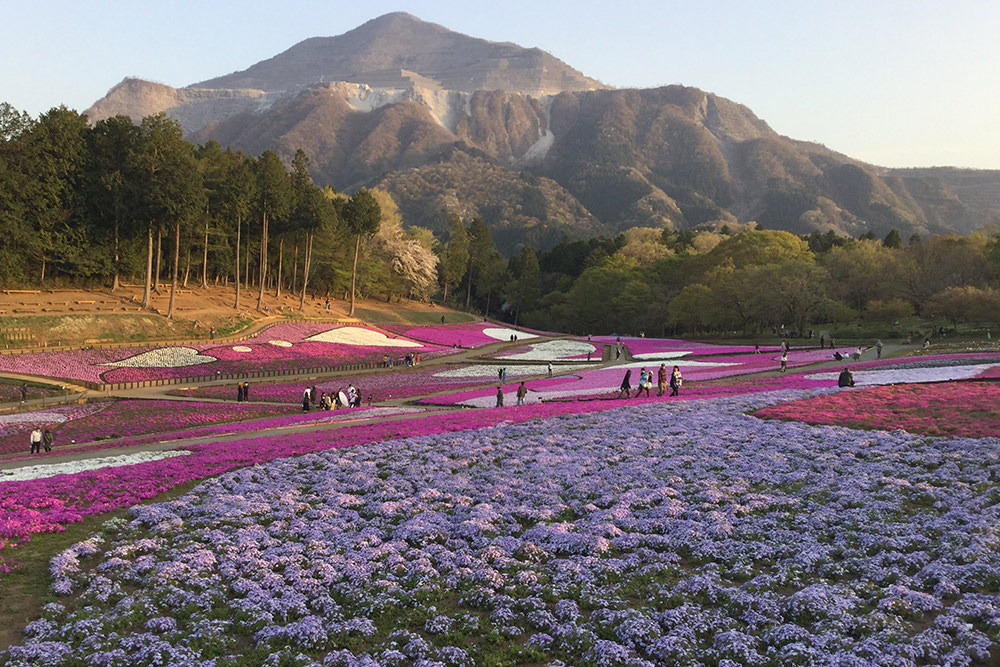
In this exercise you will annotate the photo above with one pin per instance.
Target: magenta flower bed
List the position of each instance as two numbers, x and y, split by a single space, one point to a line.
290 351
128 419
400 382
964 409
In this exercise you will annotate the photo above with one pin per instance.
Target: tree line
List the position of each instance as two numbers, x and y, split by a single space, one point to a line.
89 205
751 280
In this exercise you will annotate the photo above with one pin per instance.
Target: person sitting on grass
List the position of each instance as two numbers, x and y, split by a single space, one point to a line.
845 379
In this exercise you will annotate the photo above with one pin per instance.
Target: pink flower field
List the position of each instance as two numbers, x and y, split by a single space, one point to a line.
127 419
282 347
396 383
966 409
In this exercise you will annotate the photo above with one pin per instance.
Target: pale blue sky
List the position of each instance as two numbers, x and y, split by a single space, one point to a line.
895 83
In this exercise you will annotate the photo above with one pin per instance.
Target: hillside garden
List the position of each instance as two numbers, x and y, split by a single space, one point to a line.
758 518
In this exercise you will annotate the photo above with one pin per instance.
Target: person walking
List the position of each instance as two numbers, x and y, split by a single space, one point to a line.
246 391
522 391
676 380
550 369
878 349
499 396
645 382
306 396
661 380
47 440
784 361
24 391
626 386
36 441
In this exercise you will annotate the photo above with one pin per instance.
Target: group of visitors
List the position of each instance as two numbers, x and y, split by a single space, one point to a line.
343 398
522 393
411 359
242 391
675 380
41 438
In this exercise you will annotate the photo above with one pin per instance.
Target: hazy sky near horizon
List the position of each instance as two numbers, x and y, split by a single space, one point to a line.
895 83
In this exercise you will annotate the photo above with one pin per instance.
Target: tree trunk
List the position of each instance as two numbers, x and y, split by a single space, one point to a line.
354 272
277 276
295 263
263 264
187 266
468 292
146 294
159 255
177 261
239 226
306 261
204 260
115 284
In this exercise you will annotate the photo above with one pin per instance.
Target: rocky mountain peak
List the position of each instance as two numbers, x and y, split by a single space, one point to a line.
388 51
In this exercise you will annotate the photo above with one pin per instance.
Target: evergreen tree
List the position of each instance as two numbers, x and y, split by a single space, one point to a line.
362 215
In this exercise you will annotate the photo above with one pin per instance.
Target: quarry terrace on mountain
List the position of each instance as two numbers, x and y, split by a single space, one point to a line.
451 124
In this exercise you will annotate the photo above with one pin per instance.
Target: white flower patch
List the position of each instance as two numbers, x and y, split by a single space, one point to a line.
675 354
490 371
51 415
907 375
33 418
505 334
242 348
682 363
280 343
361 336
71 467
165 357
553 350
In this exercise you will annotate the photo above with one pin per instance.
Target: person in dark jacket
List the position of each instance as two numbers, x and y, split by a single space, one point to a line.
676 380
626 387
845 379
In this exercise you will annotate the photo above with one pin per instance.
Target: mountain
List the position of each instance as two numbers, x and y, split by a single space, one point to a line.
453 124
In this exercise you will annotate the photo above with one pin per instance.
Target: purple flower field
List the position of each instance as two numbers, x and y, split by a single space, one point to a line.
678 534
584 532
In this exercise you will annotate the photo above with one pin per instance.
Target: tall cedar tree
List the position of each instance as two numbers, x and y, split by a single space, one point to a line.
362 215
